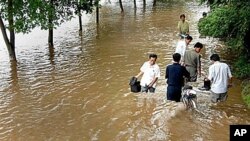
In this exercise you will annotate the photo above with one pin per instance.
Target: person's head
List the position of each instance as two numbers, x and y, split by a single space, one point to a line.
182 17
176 57
198 46
188 39
215 57
152 58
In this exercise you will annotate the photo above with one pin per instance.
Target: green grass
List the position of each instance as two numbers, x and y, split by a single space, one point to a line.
241 68
246 93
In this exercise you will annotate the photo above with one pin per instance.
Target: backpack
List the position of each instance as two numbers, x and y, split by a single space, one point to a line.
134 85
207 84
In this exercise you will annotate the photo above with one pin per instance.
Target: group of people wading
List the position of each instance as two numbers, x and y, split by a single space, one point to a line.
186 67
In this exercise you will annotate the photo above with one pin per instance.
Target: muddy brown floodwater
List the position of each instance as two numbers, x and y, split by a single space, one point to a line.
80 91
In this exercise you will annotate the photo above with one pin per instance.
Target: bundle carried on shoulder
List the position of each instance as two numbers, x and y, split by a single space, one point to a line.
134 85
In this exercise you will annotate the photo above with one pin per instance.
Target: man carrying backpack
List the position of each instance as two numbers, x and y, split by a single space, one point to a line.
220 77
150 72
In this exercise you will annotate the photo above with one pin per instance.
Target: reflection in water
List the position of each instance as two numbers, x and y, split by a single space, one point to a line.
79 89
97 31
14 76
51 55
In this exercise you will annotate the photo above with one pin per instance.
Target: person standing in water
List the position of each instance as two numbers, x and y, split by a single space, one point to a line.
181 47
175 74
192 61
220 77
183 25
150 72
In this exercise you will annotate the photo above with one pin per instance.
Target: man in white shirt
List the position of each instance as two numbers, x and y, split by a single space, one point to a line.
150 72
220 77
182 45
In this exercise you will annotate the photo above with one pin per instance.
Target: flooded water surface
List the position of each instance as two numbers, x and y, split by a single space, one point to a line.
79 90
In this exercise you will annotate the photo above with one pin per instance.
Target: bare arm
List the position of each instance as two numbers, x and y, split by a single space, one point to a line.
230 81
199 71
199 66
139 74
153 81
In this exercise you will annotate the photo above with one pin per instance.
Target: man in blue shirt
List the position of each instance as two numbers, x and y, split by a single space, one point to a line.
175 78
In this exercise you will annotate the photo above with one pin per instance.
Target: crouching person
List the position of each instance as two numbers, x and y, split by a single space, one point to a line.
175 74
150 72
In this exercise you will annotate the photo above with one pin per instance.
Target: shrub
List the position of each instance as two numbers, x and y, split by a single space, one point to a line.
246 93
241 67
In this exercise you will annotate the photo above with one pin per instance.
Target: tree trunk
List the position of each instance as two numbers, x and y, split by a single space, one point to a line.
144 3
144 6
135 4
11 49
80 22
80 17
135 8
154 3
11 42
50 37
52 55
14 76
11 23
121 6
97 13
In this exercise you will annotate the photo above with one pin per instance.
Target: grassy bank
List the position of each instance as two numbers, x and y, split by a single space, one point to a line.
242 70
246 92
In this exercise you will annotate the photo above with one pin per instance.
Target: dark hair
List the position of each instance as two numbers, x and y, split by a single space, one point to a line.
189 37
152 56
176 57
198 45
182 15
215 57
204 14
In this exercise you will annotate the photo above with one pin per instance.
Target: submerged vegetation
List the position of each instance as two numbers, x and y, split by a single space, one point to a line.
230 20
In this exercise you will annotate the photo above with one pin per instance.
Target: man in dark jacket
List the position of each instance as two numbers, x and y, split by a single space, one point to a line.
174 75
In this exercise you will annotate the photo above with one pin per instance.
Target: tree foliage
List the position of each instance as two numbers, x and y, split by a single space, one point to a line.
227 21
58 11
246 92
20 13
87 5
32 13
24 15
230 19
